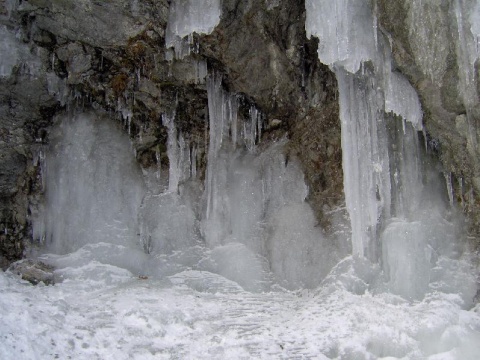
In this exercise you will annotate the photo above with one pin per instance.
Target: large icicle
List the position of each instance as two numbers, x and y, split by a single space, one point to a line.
467 14
365 160
346 30
222 110
187 17
384 193
178 153
348 40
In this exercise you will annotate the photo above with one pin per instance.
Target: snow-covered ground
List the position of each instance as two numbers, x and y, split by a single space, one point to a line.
101 311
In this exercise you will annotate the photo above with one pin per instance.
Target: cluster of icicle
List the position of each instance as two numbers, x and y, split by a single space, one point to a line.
352 46
392 221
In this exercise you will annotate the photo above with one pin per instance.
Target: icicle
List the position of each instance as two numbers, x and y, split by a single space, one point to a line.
460 187
448 180
189 16
200 71
159 163
365 161
172 152
184 161
259 126
137 75
43 168
234 120
252 129
375 23
425 140
193 161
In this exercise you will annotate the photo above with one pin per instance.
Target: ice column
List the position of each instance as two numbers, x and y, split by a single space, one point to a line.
227 133
467 14
368 89
365 160
178 152
187 17
94 186
222 110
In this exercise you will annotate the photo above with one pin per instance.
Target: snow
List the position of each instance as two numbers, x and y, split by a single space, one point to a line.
101 311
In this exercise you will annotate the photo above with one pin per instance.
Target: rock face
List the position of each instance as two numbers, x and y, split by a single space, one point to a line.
63 56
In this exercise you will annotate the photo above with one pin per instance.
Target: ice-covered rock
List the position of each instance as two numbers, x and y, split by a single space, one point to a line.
33 271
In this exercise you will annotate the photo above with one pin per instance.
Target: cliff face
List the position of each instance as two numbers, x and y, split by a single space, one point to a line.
65 56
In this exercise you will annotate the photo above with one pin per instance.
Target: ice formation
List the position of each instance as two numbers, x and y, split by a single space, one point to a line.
169 271
15 53
468 53
346 29
349 42
93 186
255 199
9 56
384 172
187 17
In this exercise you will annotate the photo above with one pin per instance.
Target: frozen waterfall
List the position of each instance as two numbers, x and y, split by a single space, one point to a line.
395 220
234 265
94 187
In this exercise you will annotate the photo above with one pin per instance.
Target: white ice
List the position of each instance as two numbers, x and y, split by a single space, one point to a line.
15 53
345 29
94 187
398 217
101 311
189 16
177 273
9 53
